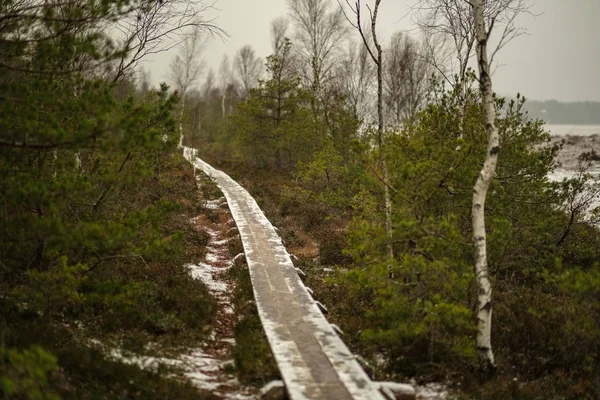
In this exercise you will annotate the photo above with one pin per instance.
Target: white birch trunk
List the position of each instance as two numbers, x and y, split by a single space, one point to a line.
378 61
54 158
388 218
484 309
223 104
380 133
78 162
181 120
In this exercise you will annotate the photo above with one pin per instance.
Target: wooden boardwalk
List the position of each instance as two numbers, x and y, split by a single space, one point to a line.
313 361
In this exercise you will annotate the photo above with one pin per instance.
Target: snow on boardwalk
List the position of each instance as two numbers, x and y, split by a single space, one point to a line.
313 361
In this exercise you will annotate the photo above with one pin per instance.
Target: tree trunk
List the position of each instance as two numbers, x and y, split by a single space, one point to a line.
54 158
181 119
377 58
223 104
384 171
380 133
388 217
484 312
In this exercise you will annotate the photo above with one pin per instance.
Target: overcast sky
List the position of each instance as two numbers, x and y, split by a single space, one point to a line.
558 59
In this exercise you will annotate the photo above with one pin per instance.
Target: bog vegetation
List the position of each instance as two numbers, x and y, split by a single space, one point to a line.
93 197
94 204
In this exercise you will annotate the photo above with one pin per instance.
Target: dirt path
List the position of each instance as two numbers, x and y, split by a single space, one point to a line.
207 366
210 365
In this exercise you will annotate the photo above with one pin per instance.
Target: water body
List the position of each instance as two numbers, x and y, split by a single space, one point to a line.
578 139
573 130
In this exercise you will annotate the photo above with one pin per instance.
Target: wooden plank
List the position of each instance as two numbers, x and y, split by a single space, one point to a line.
313 361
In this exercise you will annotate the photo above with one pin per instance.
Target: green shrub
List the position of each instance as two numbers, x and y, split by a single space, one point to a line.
25 374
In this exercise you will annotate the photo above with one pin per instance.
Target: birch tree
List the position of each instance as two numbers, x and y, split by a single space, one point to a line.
484 307
227 84
449 31
450 34
319 30
247 68
485 17
405 78
279 29
355 79
186 69
375 51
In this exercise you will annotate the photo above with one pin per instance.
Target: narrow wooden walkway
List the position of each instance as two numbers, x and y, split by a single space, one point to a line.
313 361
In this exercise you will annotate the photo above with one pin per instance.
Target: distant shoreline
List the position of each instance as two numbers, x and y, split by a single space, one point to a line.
554 112
572 129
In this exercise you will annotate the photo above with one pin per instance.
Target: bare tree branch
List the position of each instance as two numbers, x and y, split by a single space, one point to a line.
248 68
319 31
158 27
452 21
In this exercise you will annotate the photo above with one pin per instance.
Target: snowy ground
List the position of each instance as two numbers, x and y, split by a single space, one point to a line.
573 146
431 391
576 139
206 366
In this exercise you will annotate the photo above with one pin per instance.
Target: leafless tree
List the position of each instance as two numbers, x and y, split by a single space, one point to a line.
450 32
248 68
227 82
405 78
158 26
449 35
319 29
355 80
186 68
279 28
209 84
376 53
281 47
143 79
207 94
187 65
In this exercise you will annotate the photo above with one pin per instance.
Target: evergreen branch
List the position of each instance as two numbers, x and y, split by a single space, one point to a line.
115 256
106 190
25 145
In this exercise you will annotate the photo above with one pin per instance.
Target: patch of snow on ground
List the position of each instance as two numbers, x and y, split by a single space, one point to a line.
200 368
572 149
431 391
206 273
205 367
205 370
212 204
